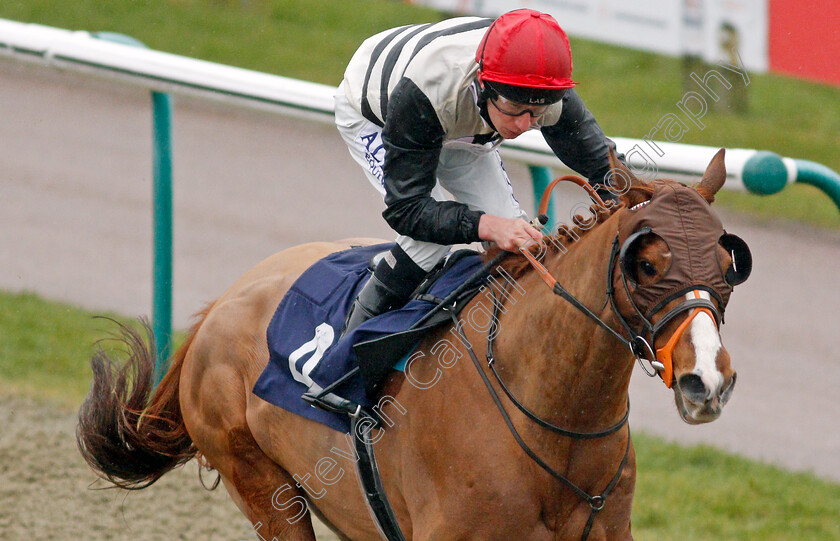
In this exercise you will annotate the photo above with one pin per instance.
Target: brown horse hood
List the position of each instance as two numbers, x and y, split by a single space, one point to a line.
685 221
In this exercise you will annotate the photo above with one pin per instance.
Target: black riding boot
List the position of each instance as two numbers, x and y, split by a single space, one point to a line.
394 279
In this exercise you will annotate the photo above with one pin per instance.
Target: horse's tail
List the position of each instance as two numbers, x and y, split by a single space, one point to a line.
129 432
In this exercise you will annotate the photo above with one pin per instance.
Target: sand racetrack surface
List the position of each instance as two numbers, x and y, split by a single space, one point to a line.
47 492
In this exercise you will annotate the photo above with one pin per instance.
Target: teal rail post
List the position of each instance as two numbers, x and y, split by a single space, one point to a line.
162 201
162 216
541 177
765 173
819 176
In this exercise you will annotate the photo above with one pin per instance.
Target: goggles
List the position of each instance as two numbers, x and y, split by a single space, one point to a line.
512 108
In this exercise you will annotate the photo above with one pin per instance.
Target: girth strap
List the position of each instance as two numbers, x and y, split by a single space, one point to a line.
370 479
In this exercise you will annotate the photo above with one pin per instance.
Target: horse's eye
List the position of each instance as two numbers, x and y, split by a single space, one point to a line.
647 268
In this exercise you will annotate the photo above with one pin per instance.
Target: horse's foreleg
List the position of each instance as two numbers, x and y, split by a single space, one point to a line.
263 491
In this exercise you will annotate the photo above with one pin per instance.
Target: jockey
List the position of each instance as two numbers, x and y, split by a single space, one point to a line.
424 107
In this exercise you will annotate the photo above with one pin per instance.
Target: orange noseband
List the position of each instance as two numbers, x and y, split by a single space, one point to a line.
665 353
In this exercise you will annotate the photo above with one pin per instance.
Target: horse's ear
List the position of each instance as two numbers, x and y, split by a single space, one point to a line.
633 191
714 177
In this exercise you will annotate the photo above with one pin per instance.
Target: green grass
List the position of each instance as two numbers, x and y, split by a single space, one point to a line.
628 91
305 39
684 493
693 493
44 347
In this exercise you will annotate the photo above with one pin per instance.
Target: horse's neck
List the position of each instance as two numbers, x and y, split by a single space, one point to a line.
556 358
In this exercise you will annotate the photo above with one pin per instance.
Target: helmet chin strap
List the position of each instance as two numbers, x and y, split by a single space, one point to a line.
483 95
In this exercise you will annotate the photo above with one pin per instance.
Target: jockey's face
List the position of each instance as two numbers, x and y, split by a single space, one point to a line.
513 119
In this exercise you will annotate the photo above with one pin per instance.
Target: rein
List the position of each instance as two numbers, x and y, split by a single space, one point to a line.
661 359
369 474
632 344
596 502
491 362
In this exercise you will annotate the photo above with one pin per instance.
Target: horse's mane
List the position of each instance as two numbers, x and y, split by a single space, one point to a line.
517 264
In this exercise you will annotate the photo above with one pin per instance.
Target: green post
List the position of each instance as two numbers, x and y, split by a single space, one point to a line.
162 201
541 177
162 216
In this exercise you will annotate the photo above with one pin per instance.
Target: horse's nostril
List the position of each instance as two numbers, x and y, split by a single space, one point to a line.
693 388
727 392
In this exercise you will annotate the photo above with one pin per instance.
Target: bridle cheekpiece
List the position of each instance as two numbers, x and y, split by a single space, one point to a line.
679 216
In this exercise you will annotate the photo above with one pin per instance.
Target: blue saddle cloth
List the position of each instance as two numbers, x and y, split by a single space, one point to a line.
303 334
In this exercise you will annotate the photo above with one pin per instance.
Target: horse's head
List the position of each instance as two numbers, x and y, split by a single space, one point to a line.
674 271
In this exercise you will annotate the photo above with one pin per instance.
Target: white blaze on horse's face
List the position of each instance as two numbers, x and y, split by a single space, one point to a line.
706 342
700 394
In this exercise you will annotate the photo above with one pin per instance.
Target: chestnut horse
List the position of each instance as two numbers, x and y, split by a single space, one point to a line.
451 466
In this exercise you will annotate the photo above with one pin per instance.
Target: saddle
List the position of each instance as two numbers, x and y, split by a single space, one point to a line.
377 356
306 355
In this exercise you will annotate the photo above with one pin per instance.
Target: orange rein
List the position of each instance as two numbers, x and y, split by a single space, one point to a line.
543 208
546 196
664 354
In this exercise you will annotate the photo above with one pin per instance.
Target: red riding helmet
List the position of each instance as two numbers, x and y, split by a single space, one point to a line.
526 57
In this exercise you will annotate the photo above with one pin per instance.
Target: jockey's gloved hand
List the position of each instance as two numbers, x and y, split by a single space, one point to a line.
508 233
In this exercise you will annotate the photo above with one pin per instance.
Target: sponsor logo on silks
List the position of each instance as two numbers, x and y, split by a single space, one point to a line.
324 335
536 101
373 146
